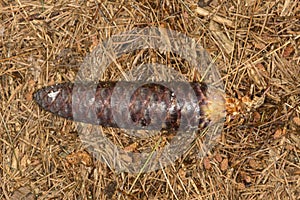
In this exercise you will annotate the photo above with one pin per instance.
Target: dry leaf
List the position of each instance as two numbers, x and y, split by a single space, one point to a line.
224 164
80 157
247 179
131 147
23 193
28 96
296 120
222 39
253 164
259 45
95 43
288 51
206 163
256 116
260 67
277 133
241 186
24 161
15 158
289 147
182 173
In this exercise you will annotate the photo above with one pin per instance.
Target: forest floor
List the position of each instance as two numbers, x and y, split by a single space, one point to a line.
255 49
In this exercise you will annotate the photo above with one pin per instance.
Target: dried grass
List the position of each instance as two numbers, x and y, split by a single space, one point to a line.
256 46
